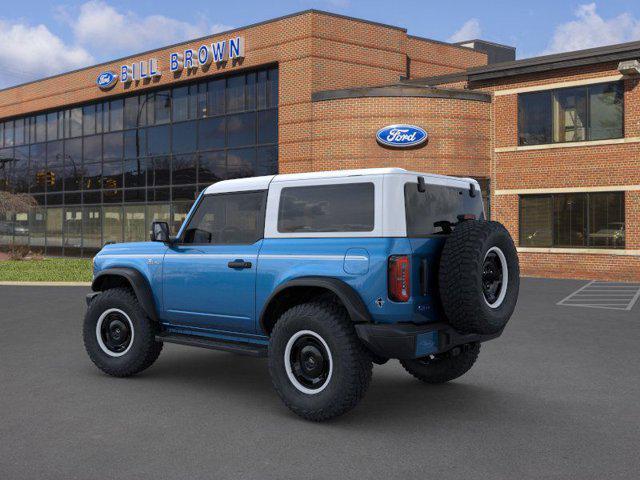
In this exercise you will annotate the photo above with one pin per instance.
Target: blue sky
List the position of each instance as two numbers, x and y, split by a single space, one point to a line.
71 34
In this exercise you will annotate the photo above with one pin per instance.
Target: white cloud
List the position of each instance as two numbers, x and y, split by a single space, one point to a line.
591 30
107 31
98 32
469 31
29 52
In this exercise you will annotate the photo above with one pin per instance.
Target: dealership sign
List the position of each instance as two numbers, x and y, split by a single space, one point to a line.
189 59
401 136
106 80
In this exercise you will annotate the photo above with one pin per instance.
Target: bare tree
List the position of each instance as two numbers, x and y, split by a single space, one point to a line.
15 202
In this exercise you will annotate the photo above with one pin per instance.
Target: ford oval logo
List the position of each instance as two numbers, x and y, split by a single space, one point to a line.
106 80
401 136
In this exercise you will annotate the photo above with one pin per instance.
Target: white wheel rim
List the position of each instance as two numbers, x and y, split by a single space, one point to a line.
505 277
287 363
103 347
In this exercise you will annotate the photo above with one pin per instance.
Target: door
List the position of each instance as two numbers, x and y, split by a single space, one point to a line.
209 275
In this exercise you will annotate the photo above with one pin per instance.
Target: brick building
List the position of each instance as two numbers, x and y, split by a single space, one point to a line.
553 140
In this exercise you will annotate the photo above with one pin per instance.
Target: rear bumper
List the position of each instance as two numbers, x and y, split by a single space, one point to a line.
405 341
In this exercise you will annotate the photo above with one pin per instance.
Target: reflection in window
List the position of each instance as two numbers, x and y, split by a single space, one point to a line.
112 225
212 167
241 130
184 137
70 160
135 229
241 163
211 133
73 230
158 140
184 169
592 112
579 220
327 208
92 228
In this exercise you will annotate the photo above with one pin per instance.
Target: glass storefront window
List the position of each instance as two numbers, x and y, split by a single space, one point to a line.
73 231
112 225
577 220
135 229
94 168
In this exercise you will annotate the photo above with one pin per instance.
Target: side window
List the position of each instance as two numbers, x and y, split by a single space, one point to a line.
345 207
227 219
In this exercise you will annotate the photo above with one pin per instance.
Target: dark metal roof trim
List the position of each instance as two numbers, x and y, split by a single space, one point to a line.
556 61
436 79
400 91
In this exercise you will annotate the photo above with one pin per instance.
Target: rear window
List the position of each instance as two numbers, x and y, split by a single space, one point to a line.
424 210
345 207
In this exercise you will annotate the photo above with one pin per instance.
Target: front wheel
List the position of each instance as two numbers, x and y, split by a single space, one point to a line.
317 364
118 335
443 367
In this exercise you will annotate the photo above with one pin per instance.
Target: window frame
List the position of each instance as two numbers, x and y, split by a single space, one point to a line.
194 209
554 220
552 92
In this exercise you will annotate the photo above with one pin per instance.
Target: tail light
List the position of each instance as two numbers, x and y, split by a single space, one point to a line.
399 279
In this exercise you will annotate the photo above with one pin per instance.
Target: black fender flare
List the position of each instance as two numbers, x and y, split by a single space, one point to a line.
138 282
346 294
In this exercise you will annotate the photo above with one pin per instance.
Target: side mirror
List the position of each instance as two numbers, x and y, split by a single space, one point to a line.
160 232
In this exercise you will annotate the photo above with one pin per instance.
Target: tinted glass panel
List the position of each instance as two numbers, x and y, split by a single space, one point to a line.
112 224
432 211
131 111
212 167
534 118
327 208
594 220
570 115
228 219
268 126
241 163
211 133
180 104
536 221
112 146
606 220
215 97
606 111
116 115
235 93
241 130
184 137
184 169
158 140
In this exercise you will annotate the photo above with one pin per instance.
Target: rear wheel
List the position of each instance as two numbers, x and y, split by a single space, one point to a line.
118 335
443 367
317 364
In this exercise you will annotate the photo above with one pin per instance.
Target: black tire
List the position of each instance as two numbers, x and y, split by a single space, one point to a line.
474 257
137 351
445 366
346 382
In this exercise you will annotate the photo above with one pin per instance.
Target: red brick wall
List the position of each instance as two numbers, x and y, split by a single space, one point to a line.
567 167
344 134
429 58
314 51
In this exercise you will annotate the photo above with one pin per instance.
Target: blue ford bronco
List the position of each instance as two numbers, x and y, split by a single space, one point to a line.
324 273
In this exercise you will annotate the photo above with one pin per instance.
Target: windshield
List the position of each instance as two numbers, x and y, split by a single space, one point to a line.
436 210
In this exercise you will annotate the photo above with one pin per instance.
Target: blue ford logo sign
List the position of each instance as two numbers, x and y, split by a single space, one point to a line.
401 136
106 80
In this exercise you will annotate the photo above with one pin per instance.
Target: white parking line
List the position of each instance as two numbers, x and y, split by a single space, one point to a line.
612 296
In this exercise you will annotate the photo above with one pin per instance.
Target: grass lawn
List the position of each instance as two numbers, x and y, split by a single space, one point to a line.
47 270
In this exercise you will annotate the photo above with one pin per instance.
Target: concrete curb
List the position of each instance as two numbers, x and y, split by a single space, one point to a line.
46 284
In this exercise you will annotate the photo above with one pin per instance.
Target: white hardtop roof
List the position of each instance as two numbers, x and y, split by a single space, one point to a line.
262 183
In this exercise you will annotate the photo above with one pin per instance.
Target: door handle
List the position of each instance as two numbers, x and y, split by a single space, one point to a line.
239 264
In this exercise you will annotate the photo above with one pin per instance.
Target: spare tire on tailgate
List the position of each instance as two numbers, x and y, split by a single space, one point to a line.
479 277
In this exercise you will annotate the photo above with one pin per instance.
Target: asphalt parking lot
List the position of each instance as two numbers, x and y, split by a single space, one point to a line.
555 397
